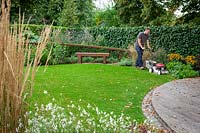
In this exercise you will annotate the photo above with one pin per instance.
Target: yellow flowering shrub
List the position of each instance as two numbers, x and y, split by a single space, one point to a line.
173 56
190 60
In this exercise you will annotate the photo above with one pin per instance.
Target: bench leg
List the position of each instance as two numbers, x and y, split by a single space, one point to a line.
104 59
80 59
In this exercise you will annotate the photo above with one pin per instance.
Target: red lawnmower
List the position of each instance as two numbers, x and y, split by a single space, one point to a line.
155 67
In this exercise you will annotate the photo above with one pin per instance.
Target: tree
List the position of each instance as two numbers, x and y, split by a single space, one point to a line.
129 11
40 11
140 12
68 16
107 17
22 6
85 12
55 7
76 13
170 5
191 10
64 12
151 11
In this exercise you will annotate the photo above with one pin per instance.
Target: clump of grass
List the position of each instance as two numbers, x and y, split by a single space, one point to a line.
132 53
146 56
14 77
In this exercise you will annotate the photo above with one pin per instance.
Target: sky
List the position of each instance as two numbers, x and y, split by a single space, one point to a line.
102 4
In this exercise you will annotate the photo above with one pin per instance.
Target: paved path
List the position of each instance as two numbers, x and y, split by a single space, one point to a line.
177 104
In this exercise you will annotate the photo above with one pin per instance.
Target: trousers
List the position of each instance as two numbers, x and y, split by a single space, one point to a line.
139 62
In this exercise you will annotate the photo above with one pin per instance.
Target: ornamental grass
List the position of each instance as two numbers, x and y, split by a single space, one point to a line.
15 78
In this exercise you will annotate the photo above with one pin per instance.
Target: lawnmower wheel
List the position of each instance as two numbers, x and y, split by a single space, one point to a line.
151 70
159 72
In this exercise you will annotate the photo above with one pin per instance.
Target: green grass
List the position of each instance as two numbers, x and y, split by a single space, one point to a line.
109 87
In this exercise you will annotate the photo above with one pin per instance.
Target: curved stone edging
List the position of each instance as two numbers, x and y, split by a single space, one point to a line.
176 105
151 115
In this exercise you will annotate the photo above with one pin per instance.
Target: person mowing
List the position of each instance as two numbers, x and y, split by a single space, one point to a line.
142 39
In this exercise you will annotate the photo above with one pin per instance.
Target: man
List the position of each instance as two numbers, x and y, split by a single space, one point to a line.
142 39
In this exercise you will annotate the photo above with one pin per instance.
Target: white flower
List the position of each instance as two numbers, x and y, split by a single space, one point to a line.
73 106
69 122
89 106
53 118
71 113
45 92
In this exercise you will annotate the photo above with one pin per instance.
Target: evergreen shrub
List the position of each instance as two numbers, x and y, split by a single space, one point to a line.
184 40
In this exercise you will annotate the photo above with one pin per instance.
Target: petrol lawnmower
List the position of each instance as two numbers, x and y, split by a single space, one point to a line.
155 67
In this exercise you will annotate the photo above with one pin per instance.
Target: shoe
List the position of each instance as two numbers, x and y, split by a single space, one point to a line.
141 68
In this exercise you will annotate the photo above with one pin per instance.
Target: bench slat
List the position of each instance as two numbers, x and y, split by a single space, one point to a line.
92 54
84 54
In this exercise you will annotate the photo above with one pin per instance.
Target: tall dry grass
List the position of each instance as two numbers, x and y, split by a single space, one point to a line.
15 78
133 54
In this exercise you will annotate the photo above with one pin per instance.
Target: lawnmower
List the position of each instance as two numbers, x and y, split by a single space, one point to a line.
155 67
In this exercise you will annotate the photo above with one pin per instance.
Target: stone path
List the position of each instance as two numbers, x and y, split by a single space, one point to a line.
176 106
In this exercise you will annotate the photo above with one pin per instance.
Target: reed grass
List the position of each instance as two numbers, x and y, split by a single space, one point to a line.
14 76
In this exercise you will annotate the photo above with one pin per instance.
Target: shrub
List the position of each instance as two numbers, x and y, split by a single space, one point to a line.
160 56
71 60
112 60
178 39
175 57
126 62
197 65
59 54
190 60
98 60
146 55
180 70
88 59
44 57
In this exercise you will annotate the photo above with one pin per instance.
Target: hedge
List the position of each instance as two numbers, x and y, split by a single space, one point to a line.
184 40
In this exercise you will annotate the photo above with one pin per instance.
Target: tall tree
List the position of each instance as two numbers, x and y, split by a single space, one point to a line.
85 12
191 10
22 6
108 17
68 16
170 5
151 11
77 13
40 11
129 11
55 7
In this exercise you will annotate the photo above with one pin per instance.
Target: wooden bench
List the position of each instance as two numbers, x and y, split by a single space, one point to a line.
84 54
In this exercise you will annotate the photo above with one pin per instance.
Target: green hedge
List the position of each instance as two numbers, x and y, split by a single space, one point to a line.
178 39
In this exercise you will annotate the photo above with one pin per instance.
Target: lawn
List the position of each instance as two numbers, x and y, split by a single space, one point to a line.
111 88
